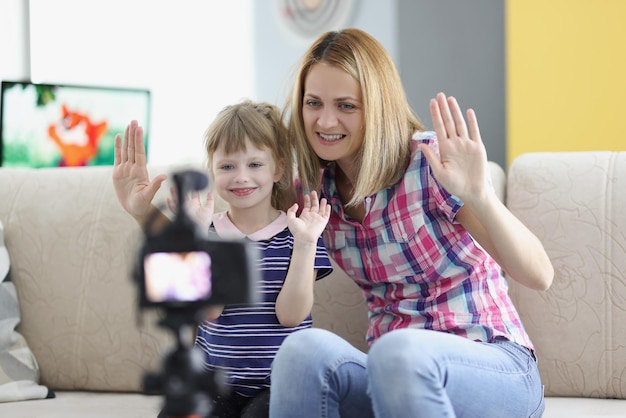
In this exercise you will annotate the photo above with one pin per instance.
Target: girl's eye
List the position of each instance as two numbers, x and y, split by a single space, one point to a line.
226 167
255 165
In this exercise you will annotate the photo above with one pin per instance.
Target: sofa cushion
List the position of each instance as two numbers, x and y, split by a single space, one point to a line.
574 202
72 249
19 370
84 404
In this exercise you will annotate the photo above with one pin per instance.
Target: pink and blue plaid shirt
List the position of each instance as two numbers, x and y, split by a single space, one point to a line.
415 265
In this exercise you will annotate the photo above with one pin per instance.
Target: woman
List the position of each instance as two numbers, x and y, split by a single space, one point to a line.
416 224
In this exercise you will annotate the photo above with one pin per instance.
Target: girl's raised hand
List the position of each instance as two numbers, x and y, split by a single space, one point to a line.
131 181
461 166
312 220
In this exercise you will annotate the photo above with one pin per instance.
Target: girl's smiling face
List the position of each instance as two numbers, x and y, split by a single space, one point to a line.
332 111
245 179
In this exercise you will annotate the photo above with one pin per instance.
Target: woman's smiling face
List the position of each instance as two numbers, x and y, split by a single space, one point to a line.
332 111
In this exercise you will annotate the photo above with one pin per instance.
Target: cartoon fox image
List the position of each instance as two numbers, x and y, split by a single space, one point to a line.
76 136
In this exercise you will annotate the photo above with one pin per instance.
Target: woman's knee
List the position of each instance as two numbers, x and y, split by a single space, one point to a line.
401 351
304 348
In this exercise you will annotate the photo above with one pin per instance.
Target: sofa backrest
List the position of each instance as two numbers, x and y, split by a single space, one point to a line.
72 250
575 203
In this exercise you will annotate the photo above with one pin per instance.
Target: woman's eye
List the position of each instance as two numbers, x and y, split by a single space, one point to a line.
312 103
347 106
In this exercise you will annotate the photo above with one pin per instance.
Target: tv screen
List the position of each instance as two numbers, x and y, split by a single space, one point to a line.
60 125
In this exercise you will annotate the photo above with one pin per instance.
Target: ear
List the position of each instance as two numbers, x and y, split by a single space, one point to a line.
279 171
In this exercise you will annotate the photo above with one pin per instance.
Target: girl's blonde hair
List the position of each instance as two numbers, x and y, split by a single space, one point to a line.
389 121
261 123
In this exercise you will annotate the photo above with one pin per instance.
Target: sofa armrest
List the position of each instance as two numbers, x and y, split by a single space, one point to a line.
574 202
72 249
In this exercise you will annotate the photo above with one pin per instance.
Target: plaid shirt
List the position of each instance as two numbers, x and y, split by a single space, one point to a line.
415 265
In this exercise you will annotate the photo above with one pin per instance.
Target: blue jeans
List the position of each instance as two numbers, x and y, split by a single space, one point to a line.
407 373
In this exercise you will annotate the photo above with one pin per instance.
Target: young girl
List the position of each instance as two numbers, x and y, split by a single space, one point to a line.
417 226
251 170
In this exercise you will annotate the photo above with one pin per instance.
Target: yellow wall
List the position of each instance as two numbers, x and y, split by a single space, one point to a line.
566 75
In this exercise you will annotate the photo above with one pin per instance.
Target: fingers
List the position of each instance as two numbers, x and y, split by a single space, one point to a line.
431 157
210 200
473 125
124 145
139 148
307 202
311 202
435 115
315 204
447 117
130 142
291 212
125 150
171 204
172 200
325 208
457 116
117 150
155 185
132 149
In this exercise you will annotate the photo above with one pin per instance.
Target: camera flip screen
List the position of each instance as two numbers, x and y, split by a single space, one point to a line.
178 277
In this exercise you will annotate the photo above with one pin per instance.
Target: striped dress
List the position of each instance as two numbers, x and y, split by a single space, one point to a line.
243 341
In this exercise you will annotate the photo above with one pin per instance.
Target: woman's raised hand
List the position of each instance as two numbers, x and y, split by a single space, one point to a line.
131 181
461 166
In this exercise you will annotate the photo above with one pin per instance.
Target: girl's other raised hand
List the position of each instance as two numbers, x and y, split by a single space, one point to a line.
312 220
200 212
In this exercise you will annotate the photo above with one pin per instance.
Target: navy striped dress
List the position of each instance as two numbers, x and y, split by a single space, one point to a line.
243 341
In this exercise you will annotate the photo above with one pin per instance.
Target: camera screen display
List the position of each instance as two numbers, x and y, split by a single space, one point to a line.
177 276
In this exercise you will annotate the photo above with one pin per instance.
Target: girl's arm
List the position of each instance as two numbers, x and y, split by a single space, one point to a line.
295 300
213 312
133 187
462 170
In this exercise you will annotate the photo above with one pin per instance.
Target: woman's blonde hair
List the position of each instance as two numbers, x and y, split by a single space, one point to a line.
389 121
262 124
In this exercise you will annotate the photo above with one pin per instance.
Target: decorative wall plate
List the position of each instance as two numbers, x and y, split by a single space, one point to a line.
310 18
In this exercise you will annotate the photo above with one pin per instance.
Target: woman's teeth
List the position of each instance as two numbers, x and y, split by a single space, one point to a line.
331 137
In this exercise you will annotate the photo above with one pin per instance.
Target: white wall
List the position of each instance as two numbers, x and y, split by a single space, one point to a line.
194 55
200 55
277 50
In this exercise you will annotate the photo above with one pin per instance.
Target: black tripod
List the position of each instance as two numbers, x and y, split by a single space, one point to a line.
188 388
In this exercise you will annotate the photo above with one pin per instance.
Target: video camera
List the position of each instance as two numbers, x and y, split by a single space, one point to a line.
182 272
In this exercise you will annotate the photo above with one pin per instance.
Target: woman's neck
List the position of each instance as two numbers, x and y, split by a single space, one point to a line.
348 171
345 188
345 185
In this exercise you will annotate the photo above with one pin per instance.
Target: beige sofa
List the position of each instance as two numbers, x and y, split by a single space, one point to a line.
72 249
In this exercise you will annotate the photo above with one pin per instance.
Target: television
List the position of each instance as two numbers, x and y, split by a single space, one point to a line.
63 125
